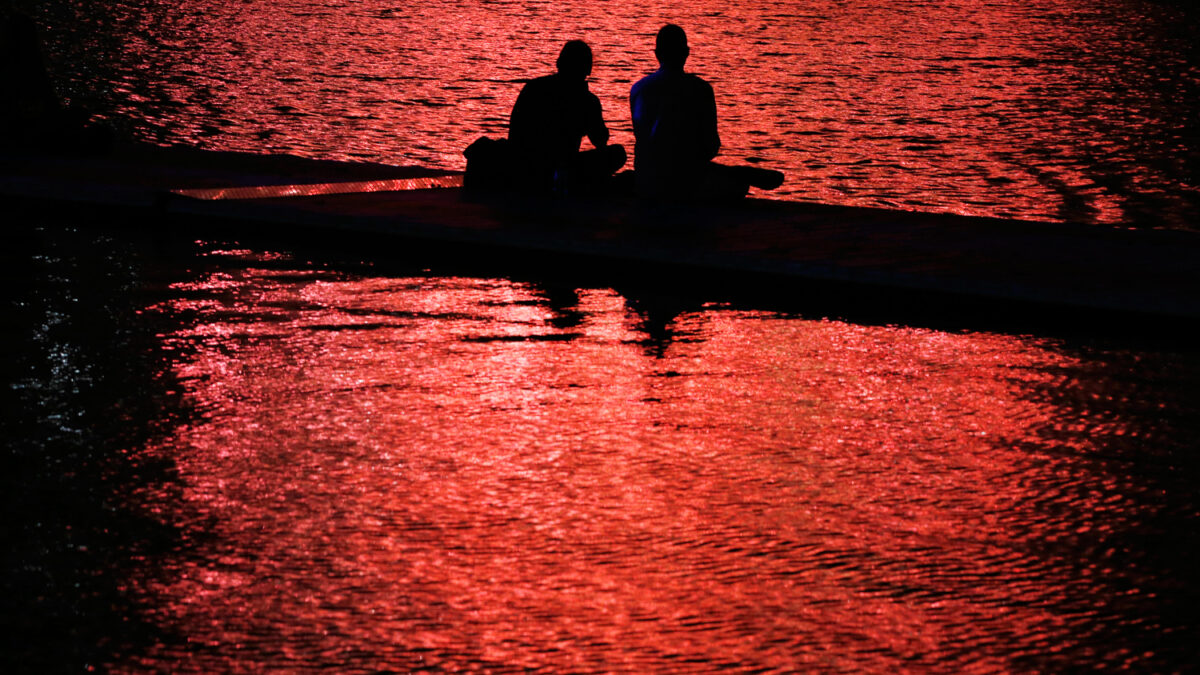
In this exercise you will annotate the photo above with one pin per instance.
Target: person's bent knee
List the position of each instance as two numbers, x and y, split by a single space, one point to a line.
614 157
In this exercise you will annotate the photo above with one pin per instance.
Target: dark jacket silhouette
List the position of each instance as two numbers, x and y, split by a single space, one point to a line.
547 126
674 123
551 117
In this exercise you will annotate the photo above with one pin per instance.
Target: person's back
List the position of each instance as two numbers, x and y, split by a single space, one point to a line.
551 117
545 130
549 121
674 120
675 126
675 129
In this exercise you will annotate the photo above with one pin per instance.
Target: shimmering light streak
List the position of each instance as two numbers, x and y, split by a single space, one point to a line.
315 189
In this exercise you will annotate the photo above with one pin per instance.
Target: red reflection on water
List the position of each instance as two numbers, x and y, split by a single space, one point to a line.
1000 109
429 472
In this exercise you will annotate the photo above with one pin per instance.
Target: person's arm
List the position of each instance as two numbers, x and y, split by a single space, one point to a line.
711 140
518 121
635 110
597 131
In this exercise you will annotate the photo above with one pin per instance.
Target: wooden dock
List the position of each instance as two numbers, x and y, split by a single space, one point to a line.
1048 266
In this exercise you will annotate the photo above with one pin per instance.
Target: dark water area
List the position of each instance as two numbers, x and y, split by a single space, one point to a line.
229 457
1075 110
82 389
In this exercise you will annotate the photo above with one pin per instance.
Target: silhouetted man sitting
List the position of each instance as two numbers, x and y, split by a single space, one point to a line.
547 126
675 128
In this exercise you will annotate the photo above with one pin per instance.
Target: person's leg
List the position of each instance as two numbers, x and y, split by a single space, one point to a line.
591 170
735 181
720 183
763 179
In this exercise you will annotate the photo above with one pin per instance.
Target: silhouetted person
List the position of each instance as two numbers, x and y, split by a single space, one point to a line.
549 121
31 116
675 128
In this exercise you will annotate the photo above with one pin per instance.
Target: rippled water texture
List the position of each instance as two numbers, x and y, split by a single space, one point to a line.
388 472
1048 109
256 461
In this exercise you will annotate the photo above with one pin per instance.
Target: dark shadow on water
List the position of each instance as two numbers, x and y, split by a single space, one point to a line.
563 301
653 313
1136 556
657 317
85 389
658 293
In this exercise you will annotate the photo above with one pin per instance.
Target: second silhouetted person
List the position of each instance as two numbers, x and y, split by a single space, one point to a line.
675 131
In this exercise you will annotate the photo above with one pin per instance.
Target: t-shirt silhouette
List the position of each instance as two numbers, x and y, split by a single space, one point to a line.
674 124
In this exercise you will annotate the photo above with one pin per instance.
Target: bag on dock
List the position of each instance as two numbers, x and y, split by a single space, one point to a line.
489 166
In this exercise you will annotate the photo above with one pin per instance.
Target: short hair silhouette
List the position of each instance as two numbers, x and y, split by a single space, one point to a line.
671 46
575 59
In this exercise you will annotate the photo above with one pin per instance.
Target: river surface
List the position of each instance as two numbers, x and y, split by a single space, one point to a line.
1081 110
235 456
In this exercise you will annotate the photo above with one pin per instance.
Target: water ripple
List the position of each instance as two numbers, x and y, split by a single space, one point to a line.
443 473
1019 111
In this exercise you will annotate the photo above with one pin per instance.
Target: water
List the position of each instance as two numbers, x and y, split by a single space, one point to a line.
1051 109
233 458
236 456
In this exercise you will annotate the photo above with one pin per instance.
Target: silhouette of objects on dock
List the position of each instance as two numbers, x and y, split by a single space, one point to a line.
675 125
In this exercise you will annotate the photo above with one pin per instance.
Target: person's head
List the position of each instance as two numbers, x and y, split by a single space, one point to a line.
671 47
575 60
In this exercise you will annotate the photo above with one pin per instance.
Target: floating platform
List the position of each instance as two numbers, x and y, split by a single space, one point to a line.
1034 266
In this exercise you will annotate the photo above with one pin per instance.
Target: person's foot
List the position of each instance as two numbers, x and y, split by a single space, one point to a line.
765 179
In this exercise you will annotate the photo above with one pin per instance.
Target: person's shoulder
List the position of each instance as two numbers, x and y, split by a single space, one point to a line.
696 81
543 82
540 89
588 101
649 81
541 85
697 87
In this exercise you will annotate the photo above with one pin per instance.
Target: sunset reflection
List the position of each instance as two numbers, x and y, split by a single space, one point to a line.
403 472
397 455
1035 110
